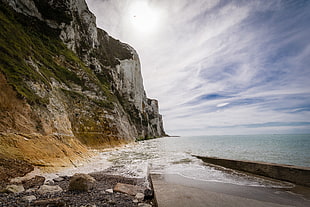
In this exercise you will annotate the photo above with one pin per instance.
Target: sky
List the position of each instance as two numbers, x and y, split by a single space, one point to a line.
218 66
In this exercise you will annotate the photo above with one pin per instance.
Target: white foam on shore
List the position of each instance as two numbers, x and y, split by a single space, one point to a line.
135 161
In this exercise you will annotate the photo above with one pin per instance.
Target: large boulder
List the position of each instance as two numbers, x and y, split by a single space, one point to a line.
34 182
81 182
49 189
14 189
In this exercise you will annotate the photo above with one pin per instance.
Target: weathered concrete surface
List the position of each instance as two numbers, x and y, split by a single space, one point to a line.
294 174
174 190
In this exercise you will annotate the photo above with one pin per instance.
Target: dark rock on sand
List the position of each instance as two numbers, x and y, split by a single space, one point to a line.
55 202
33 182
148 194
81 182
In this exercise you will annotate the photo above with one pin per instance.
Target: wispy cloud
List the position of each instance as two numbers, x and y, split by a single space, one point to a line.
222 67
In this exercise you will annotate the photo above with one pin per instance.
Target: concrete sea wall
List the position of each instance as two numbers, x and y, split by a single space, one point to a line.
295 174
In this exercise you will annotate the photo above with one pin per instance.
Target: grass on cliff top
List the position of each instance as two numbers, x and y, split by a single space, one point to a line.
24 40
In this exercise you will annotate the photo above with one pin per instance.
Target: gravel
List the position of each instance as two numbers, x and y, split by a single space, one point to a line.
98 196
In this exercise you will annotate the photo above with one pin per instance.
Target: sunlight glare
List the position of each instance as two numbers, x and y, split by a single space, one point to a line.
144 18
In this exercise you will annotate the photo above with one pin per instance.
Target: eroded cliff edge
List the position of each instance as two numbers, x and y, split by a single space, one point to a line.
66 85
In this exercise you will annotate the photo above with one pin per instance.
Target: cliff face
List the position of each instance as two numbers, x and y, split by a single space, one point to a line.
63 78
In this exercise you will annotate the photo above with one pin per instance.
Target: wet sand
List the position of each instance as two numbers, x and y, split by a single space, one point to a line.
175 190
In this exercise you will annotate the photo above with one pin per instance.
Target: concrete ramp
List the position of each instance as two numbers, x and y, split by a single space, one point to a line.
174 190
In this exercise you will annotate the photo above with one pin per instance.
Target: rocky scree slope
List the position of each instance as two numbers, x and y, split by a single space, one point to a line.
66 84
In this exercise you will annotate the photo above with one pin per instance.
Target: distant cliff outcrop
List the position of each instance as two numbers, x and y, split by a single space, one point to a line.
65 80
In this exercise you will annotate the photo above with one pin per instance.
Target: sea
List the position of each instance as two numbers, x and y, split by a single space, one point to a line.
175 155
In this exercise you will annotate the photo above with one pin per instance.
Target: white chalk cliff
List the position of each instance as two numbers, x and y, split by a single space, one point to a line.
103 101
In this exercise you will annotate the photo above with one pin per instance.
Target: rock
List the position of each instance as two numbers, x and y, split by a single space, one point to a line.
112 202
59 179
139 196
81 182
14 189
89 205
109 190
29 198
34 182
55 202
12 168
49 189
127 188
135 201
49 182
148 194
144 205
27 7
65 177
31 190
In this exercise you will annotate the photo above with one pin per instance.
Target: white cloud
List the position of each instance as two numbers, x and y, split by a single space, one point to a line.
222 104
251 55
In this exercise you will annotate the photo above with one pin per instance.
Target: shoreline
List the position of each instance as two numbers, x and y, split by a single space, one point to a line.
180 187
101 195
91 164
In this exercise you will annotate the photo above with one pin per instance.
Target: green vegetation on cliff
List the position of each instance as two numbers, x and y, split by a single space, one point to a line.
31 51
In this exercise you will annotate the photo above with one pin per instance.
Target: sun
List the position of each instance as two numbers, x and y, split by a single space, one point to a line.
144 17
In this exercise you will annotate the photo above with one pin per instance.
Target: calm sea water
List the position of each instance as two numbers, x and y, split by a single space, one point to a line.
282 149
173 155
